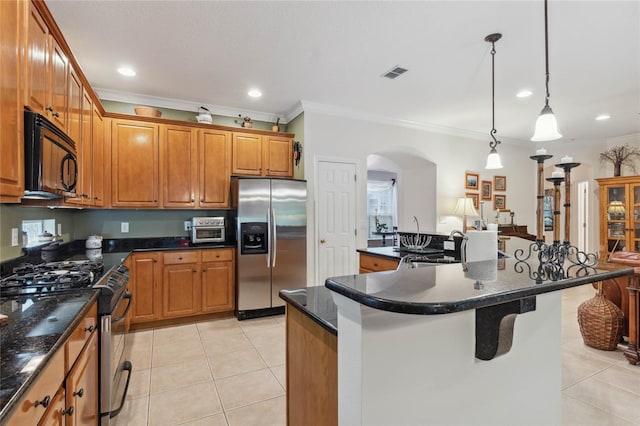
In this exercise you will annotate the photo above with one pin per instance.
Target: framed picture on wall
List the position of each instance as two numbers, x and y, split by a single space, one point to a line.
485 190
474 197
499 202
499 183
471 180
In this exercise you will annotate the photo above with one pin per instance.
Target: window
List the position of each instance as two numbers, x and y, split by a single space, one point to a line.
381 207
33 228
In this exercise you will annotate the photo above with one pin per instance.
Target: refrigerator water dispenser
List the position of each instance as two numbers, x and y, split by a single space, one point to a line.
253 238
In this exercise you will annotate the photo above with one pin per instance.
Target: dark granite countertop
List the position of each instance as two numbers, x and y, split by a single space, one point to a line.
37 328
317 303
448 288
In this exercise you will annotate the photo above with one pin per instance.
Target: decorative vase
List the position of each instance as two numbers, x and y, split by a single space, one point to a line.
616 169
600 322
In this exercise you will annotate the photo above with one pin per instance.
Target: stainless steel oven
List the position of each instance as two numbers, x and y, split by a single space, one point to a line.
115 371
207 230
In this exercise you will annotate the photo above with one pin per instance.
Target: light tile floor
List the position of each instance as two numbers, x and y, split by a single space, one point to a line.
227 372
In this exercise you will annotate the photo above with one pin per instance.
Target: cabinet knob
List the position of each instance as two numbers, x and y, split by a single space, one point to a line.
375 264
45 401
217 255
194 270
202 200
90 328
79 393
204 270
180 258
49 108
155 201
155 260
69 411
193 200
57 114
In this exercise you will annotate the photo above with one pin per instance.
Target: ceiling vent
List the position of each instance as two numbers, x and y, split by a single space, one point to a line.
395 72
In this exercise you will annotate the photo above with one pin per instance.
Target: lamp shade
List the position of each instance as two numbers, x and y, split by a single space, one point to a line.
616 207
493 160
546 126
464 207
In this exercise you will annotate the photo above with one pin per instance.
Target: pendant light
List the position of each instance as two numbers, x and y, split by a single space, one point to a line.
546 125
493 160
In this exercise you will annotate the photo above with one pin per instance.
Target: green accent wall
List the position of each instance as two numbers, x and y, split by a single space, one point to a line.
296 126
176 114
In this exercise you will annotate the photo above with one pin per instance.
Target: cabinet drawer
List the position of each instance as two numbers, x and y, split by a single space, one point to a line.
217 255
79 337
44 389
375 264
178 257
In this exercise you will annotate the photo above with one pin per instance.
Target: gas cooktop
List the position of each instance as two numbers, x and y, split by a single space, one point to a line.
45 278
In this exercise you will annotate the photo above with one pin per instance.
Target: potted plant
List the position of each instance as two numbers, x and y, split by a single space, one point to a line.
622 155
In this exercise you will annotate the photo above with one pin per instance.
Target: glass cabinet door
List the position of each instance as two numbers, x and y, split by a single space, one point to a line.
617 209
635 219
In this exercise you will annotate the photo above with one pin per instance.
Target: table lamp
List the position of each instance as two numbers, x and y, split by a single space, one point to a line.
465 208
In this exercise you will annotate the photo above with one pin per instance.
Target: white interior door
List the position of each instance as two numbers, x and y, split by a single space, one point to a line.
336 218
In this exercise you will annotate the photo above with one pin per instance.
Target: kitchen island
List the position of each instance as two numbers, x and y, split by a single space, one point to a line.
441 345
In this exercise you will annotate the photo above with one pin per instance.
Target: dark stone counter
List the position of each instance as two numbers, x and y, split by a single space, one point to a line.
316 303
38 326
443 289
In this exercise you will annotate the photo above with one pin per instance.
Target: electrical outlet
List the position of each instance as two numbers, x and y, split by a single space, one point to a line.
187 225
124 227
14 237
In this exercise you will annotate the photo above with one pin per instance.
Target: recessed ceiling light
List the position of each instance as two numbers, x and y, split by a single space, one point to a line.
254 93
524 93
603 117
129 72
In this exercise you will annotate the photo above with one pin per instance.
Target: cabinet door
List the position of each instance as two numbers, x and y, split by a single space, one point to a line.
214 152
615 217
181 290
134 156
82 386
59 88
634 216
144 283
218 286
56 412
278 156
247 154
98 163
11 116
37 85
178 166
74 129
79 129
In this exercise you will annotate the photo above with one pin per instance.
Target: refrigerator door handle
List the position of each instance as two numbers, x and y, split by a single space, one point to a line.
268 237
275 237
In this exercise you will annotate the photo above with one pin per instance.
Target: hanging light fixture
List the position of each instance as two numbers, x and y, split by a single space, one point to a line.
493 160
546 125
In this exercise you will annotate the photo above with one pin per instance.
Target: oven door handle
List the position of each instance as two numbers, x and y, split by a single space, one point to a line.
127 367
126 295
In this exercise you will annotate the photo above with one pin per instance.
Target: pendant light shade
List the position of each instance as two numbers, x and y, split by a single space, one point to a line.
493 159
546 125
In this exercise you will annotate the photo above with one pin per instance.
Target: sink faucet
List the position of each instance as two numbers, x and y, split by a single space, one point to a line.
455 232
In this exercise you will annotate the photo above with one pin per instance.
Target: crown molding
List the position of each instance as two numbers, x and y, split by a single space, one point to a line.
633 138
374 118
182 105
295 111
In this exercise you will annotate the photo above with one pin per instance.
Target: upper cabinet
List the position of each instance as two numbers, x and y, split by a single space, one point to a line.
214 153
178 166
11 116
134 169
619 214
47 72
266 155
98 158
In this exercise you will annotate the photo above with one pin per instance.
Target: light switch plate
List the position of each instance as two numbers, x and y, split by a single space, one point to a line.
59 229
124 227
449 245
14 237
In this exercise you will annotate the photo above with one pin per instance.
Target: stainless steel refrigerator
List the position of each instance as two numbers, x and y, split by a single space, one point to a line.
271 231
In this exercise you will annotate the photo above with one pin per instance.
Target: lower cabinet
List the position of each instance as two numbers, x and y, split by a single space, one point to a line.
66 391
181 283
369 263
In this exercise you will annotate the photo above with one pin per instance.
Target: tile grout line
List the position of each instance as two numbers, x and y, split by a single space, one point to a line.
215 385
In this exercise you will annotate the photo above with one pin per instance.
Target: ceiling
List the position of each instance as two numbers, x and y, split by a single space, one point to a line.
334 53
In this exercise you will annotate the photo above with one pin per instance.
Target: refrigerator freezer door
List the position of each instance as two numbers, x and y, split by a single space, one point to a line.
288 201
253 270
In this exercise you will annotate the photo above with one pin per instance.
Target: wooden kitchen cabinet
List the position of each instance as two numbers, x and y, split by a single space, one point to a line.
178 166
11 103
181 284
134 170
82 387
84 149
145 283
214 153
56 411
218 280
246 154
619 214
262 155
370 263
277 156
97 161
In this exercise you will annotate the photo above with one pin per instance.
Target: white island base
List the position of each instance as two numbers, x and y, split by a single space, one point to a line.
402 369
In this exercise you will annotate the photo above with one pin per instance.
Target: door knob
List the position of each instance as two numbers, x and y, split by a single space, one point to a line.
322 241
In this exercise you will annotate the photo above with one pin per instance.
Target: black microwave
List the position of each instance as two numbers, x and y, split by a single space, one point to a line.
50 163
